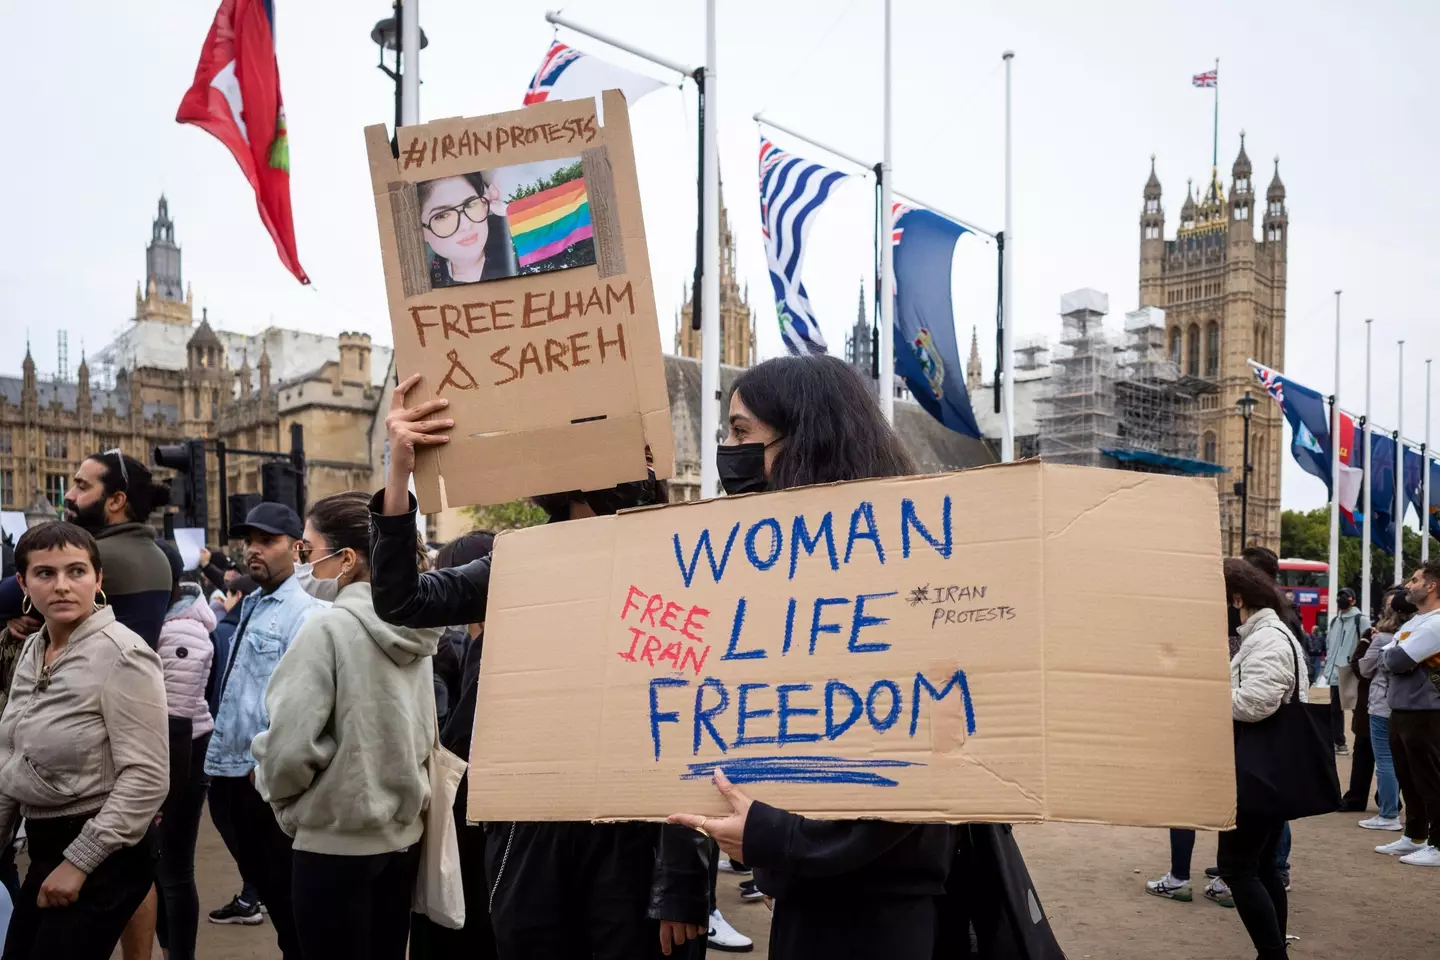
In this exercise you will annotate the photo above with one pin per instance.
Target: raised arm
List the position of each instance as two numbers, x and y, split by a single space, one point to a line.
406 597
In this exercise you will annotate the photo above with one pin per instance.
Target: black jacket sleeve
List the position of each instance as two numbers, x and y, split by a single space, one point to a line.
680 883
408 598
789 843
215 575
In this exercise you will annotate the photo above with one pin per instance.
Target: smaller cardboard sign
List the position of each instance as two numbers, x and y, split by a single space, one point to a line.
518 282
1012 643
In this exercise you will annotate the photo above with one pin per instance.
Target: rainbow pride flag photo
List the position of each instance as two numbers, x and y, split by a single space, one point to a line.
548 211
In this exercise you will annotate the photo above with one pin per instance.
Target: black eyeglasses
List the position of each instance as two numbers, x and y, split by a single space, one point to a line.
443 223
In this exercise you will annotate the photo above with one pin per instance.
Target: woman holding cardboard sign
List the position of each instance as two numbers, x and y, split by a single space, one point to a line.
840 888
557 890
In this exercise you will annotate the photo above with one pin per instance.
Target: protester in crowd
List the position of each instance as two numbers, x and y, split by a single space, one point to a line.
1356 798
1263 674
840 887
428 939
558 890
217 568
16 627
111 496
186 652
1341 640
1413 663
83 756
269 620
344 762
1397 610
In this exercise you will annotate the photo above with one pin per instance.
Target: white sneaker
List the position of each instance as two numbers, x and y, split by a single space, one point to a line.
1428 857
725 866
1378 822
1170 888
1400 848
727 938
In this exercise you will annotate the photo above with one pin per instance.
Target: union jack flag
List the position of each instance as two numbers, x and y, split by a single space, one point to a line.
1273 382
1209 78
897 211
557 58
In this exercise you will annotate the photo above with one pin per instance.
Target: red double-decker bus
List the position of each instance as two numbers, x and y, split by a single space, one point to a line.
1306 584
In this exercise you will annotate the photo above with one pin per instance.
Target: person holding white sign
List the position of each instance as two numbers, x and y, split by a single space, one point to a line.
840 887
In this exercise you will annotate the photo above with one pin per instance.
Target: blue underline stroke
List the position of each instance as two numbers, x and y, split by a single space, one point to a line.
800 769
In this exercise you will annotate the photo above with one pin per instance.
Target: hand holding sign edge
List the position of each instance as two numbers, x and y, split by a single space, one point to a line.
407 427
728 832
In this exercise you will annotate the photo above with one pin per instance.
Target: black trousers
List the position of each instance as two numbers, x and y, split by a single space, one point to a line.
873 928
89 928
1415 747
179 904
1362 772
476 941
1247 865
354 907
1337 717
261 851
572 891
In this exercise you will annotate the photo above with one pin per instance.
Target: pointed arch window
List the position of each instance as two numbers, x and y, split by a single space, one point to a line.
1175 345
1212 349
1152 206
1192 351
1209 448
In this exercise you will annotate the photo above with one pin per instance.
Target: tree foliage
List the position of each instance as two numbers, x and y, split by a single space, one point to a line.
565 174
1306 536
506 516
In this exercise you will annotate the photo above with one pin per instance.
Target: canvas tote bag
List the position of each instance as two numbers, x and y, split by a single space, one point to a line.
439 891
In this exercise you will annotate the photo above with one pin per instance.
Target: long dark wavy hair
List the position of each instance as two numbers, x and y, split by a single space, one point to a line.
830 426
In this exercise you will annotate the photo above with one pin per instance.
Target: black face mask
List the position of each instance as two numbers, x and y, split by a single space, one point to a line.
624 496
1343 603
741 467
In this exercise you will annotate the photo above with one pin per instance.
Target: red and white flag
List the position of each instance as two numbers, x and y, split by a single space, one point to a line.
568 74
1210 78
236 98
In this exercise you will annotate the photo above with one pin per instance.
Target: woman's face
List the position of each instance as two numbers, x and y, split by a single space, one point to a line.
324 565
745 427
451 198
61 584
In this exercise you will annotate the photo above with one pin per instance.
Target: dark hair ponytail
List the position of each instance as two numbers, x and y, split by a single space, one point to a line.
343 519
131 477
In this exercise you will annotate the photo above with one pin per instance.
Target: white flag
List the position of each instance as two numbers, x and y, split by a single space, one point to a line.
568 74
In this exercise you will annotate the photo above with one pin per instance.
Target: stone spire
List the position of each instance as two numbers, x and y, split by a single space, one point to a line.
973 372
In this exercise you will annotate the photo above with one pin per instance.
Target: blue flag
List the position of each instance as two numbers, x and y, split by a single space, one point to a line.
926 353
1434 493
1382 492
1414 481
1309 421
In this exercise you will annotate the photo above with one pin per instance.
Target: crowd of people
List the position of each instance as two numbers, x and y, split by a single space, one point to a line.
302 695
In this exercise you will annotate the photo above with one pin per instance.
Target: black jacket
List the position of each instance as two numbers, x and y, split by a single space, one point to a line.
679 881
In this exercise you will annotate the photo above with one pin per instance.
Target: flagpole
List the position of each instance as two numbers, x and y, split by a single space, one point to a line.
1007 311
1365 488
1400 470
410 70
1215 139
1335 472
710 279
887 253
1425 476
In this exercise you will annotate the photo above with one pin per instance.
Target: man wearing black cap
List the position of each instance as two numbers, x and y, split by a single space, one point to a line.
269 619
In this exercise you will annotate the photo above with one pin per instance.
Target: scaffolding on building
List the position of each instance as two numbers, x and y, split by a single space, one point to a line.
1120 404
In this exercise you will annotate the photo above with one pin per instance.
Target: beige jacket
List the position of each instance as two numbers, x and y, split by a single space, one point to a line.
91 737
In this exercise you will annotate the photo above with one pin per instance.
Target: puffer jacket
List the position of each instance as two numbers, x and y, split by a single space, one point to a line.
186 652
1264 670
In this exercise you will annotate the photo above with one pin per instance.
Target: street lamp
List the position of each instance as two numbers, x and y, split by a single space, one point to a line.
387 37
1246 406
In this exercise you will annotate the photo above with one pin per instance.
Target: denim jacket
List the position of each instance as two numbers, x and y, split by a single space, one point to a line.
269 622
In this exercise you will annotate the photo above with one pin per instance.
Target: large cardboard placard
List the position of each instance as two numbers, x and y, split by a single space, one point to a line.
1013 643
547 346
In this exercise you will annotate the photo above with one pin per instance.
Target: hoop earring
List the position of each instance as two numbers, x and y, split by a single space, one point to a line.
26 607
104 601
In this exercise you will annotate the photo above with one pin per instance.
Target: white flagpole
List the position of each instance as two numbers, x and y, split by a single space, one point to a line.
710 417
410 69
1365 607
1400 471
1425 476
887 255
1007 313
1335 472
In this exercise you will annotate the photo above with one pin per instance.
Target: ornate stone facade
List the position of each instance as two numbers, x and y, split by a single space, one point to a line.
737 320
1223 293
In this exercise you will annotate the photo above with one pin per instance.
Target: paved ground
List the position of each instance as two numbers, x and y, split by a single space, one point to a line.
1348 903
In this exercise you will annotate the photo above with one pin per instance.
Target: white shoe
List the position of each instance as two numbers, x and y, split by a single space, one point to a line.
725 866
727 938
1428 857
1170 888
1378 822
1400 848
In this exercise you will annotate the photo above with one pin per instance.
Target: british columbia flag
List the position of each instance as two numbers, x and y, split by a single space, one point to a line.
1210 78
570 74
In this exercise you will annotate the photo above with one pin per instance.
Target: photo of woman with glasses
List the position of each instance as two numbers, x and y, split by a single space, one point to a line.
467 240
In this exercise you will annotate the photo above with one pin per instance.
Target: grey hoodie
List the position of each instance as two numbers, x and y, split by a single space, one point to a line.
1414 664
352 720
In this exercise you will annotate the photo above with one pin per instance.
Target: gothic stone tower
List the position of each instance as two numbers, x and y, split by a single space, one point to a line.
737 320
1223 294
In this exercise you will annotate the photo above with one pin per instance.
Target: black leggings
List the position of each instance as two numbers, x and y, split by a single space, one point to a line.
1247 865
89 928
354 907
179 907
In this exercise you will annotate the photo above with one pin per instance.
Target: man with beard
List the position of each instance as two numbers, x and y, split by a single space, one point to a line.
269 620
1413 662
111 496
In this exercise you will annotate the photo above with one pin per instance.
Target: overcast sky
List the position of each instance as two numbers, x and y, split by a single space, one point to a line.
1344 93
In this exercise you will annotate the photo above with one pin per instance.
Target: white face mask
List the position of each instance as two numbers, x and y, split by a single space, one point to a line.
326 590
